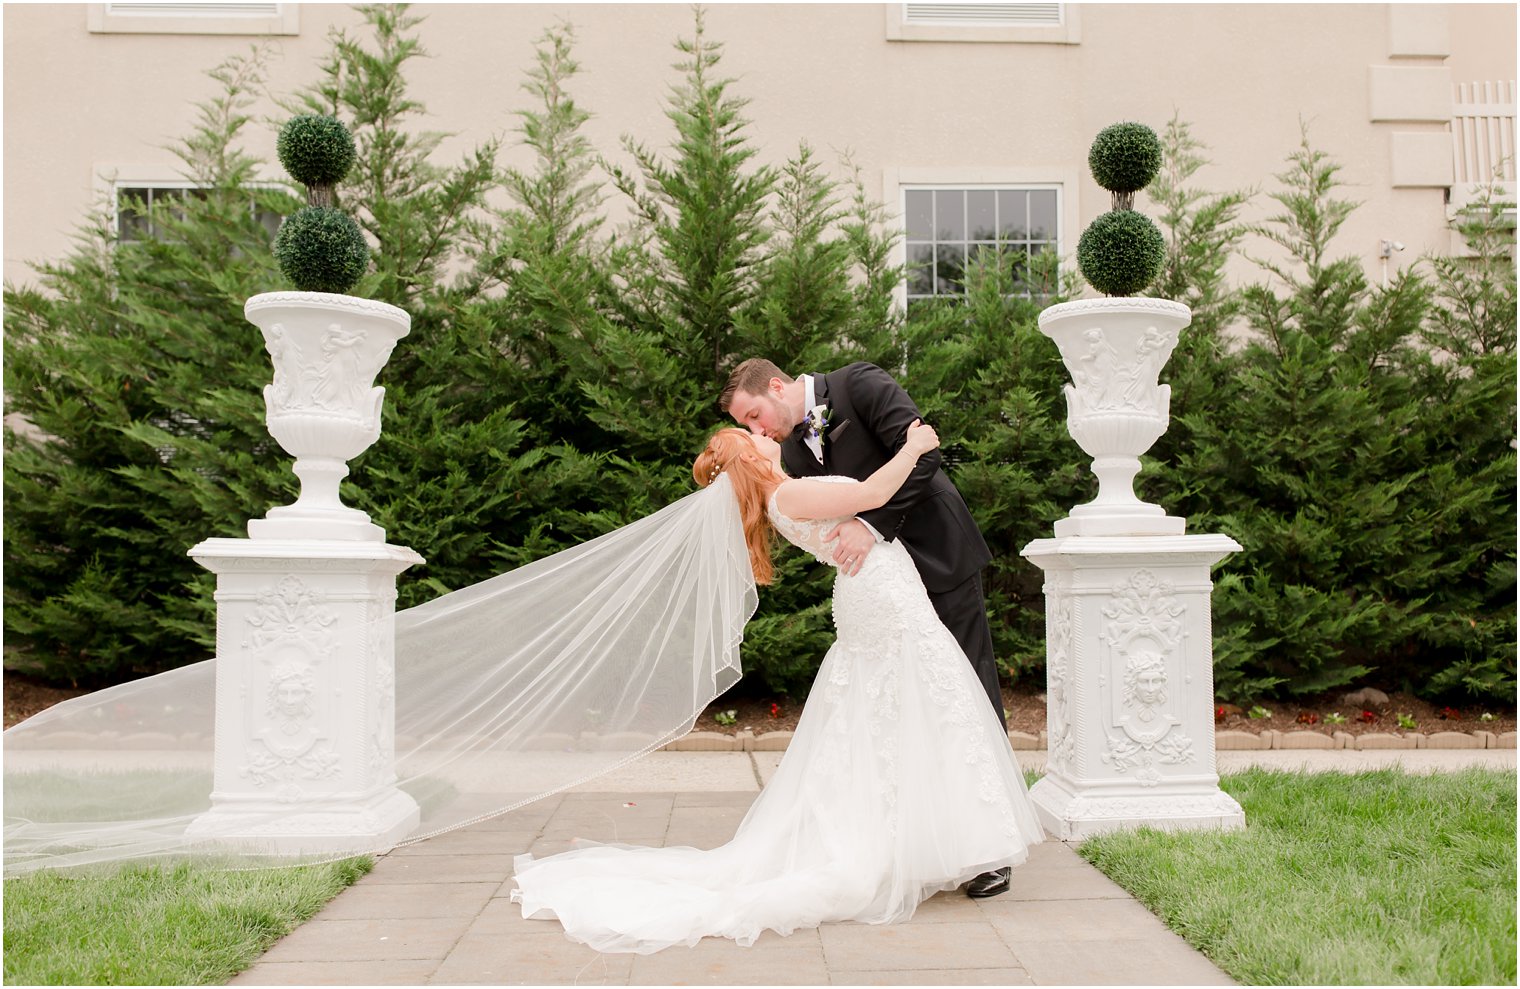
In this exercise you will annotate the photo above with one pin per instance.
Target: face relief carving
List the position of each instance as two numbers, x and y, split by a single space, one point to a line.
1145 681
290 690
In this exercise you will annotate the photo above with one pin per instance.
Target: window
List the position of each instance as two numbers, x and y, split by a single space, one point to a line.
141 206
1006 14
945 229
194 18
1028 23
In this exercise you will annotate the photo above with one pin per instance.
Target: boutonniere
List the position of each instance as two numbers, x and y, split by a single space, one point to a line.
816 421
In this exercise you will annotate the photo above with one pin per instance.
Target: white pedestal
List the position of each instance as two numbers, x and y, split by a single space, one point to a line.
305 696
1130 685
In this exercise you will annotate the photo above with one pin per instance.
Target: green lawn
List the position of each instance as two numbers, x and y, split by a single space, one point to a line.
1373 878
151 925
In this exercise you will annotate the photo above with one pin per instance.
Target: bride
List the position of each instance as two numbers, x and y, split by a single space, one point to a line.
898 783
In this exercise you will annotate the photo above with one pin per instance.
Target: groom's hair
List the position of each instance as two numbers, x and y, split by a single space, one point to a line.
752 377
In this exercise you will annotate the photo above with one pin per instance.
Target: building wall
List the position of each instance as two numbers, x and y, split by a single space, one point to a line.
80 105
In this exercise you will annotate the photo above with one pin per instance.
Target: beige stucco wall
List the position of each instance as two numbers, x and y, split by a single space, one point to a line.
79 104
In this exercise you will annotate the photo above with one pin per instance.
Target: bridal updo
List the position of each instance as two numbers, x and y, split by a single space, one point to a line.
730 451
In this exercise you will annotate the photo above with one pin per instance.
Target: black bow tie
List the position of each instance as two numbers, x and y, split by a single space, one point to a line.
818 425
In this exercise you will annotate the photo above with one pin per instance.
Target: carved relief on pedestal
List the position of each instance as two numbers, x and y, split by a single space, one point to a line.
1144 684
1058 676
382 742
288 652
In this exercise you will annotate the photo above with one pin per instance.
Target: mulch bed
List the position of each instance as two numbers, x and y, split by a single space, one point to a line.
1026 713
1361 720
26 695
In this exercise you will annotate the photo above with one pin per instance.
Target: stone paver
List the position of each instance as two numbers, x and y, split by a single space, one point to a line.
797 960
369 940
350 973
382 901
442 868
439 913
470 841
1070 920
1117 962
542 957
933 977
1056 872
905 947
443 916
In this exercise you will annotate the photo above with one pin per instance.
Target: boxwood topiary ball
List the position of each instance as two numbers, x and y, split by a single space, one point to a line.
1125 157
321 249
1121 252
316 150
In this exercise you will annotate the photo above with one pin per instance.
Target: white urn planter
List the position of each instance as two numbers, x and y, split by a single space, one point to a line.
1129 657
305 621
323 405
1114 349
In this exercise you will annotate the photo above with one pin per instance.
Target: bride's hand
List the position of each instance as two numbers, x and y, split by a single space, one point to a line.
921 438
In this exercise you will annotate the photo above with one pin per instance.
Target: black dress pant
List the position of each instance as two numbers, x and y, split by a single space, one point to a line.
963 609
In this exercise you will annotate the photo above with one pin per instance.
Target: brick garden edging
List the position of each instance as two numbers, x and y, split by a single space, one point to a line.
776 741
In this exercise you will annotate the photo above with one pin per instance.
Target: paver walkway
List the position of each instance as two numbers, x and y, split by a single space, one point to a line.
439 913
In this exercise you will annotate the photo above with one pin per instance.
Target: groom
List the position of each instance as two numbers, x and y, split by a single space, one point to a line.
849 423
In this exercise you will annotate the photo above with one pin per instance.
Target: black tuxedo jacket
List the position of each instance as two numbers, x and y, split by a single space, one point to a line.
869 415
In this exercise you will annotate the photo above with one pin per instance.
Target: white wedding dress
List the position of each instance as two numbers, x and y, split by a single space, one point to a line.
898 783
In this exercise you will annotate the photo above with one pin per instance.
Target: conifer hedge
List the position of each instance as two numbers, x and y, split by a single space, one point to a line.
560 374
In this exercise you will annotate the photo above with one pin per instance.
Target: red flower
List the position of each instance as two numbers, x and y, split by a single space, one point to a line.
1367 717
1450 714
1219 714
1308 718
775 710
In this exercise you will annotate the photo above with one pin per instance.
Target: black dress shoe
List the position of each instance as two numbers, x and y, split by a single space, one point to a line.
989 883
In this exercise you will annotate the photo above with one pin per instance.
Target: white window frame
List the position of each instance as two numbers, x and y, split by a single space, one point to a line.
111 179
897 182
1067 32
193 18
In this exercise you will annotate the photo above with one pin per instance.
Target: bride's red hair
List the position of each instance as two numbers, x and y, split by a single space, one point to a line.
731 451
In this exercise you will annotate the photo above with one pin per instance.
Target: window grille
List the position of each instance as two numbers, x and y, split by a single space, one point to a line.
139 207
1001 14
946 229
194 9
138 17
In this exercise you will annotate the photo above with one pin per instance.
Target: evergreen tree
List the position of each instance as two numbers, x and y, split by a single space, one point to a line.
725 261
143 380
688 272
1202 230
1317 468
461 470
1467 435
419 213
1185 467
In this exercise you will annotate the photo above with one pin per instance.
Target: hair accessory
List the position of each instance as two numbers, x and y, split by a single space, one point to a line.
713 474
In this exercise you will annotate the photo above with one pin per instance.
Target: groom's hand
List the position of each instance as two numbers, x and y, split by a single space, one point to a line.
855 542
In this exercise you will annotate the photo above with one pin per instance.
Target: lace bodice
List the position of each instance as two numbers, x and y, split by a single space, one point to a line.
807 534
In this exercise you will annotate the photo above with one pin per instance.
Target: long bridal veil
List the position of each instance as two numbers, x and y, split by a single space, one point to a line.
506 691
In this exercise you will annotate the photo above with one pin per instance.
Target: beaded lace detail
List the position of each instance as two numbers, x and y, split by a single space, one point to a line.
888 629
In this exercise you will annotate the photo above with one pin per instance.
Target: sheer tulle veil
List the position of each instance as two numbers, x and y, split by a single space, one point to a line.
506 691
